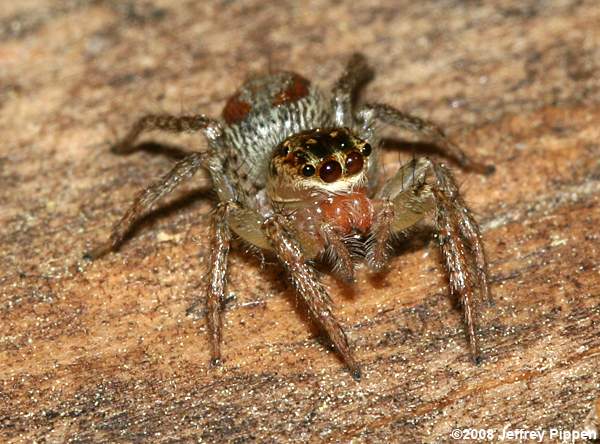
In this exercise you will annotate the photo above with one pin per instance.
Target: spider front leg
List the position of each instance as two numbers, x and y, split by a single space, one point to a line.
459 235
274 234
418 187
369 114
306 282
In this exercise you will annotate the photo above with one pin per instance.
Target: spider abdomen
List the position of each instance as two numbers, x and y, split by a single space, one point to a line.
261 114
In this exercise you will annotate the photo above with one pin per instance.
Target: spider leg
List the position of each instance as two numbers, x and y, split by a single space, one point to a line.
418 187
371 113
170 123
457 246
452 211
379 241
356 74
220 242
401 203
184 169
308 286
343 265
273 234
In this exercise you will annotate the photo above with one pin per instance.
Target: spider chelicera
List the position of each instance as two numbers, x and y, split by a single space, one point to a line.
296 173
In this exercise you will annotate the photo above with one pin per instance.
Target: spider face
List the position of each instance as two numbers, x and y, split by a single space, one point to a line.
321 160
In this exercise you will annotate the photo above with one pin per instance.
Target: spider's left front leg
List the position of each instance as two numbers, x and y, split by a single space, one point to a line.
462 248
418 187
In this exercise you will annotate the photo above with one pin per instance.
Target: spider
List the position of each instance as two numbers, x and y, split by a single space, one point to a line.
296 173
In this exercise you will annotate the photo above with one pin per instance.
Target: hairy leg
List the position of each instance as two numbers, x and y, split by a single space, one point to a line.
401 202
460 217
421 128
458 249
356 74
431 185
307 284
343 266
379 242
184 169
220 242
462 248
170 123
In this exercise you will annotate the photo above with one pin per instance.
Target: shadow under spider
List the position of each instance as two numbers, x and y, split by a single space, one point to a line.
174 152
416 149
174 206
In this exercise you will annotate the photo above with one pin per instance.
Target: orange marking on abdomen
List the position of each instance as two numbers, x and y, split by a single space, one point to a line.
295 91
235 110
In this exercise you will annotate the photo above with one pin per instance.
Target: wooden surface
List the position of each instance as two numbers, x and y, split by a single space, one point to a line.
105 352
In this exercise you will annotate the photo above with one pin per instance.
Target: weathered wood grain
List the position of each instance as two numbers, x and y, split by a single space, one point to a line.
105 352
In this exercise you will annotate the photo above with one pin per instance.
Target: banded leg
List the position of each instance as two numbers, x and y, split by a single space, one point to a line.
453 210
220 242
170 123
379 242
343 266
184 169
401 202
356 74
306 282
421 128
458 246
432 186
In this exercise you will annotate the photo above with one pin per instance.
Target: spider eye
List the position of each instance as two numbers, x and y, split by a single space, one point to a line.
354 162
366 149
308 170
330 171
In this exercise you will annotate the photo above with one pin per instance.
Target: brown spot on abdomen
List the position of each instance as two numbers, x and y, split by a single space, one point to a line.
235 110
295 89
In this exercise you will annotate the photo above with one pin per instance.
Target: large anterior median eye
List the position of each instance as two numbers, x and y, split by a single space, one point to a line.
354 162
330 171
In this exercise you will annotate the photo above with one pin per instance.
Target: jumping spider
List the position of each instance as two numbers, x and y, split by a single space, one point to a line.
297 174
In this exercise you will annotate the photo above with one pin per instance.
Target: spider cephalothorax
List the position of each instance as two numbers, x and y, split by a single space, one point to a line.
296 173
331 160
